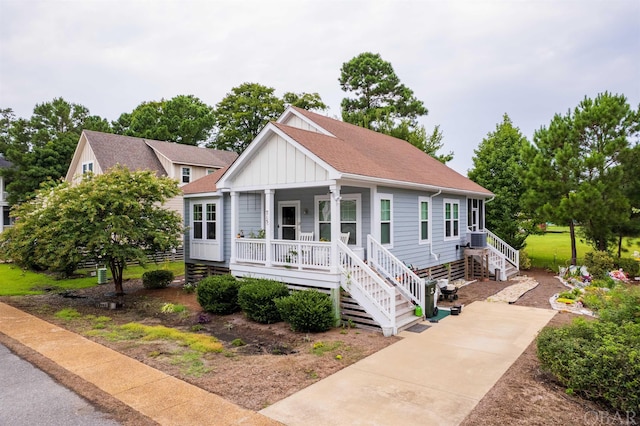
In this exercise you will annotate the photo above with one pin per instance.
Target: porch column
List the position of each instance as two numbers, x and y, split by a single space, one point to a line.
268 223
234 225
335 225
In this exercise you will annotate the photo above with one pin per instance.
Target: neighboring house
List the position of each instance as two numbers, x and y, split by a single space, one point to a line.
97 152
5 220
316 202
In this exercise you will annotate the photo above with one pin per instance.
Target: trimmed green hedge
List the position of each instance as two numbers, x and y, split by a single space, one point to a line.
256 298
218 294
307 311
157 279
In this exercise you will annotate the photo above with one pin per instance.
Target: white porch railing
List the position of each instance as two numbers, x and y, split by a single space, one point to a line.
287 253
512 255
375 295
409 284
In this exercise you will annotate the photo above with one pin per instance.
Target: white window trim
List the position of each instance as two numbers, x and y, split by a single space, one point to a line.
444 218
347 197
182 168
429 220
378 215
87 164
203 203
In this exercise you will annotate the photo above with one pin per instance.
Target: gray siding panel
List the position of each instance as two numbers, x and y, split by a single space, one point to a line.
405 216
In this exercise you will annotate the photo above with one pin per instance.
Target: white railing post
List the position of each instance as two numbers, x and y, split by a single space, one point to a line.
268 224
409 284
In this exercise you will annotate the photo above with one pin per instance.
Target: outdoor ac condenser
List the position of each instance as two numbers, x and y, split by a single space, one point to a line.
478 239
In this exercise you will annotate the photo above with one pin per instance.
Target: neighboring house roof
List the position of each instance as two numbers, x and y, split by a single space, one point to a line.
358 151
5 164
204 184
189 154
143 154
128 151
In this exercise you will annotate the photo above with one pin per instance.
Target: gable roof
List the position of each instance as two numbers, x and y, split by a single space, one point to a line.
194 155
362 152
133 153
204 184
143 154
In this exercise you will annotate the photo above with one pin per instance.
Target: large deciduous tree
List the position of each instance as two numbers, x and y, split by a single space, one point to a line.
111 218
183 119
498 166
577 173
241 114
41 148
383 104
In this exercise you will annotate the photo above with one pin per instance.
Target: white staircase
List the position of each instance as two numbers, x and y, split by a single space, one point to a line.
503 258
387 291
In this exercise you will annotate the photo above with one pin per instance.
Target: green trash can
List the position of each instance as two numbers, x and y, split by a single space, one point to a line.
430 298
102 275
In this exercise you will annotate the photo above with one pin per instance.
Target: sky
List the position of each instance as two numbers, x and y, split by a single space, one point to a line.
470 62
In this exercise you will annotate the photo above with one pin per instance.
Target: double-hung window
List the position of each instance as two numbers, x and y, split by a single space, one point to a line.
451 219
424 220
186 174
197 221
211 221
385 220
349 216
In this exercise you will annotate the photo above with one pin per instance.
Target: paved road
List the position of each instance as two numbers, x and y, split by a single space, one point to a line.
30 397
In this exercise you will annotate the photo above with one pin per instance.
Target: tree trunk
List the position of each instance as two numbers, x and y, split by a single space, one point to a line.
574 251
619 246
116 273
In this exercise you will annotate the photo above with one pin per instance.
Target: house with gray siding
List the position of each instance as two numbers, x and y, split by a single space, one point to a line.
318 203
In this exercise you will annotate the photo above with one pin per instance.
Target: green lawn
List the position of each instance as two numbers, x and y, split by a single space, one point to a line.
15 282
553 248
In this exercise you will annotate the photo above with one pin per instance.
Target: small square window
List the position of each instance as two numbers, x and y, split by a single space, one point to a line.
186 174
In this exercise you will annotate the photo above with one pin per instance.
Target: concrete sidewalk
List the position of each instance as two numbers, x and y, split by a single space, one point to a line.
435 377
163 398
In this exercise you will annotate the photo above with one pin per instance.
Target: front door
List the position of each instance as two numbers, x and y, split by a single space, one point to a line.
288 220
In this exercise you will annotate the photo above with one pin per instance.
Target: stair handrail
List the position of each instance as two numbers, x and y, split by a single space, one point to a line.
368 288
499 261
512 255
409 284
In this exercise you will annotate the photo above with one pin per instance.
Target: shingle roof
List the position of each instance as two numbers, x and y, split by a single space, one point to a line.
204 184
359 151
5 164
188 154
138 153
128 151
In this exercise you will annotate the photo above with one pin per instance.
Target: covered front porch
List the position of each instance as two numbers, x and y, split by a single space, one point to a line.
292 234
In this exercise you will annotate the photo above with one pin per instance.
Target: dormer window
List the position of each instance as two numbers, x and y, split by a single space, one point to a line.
186 174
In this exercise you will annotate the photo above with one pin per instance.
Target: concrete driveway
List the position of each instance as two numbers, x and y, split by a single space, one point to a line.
433 377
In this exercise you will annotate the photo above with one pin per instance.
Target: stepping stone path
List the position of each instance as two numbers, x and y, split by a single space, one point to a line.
514 292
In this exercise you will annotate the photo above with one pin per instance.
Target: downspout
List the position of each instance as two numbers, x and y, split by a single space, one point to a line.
431 204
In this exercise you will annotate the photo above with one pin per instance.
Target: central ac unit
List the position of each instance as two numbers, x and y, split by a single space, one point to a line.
478 239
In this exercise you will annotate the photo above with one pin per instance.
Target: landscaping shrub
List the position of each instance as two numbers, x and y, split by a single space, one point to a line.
157 279
598 359
628 265
525 260
308 311
599 263
218 294
601 358
256 298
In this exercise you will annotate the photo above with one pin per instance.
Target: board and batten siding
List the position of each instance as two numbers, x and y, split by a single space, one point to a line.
277 163
406 228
